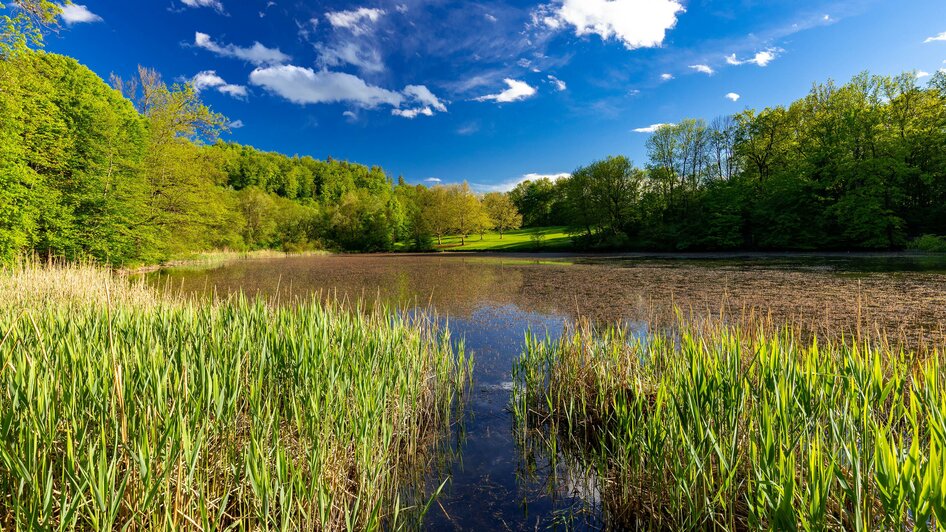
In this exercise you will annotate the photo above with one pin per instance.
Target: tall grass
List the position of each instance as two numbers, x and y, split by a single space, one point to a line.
123 409
717 426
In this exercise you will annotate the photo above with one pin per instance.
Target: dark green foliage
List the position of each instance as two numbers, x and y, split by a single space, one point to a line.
857 167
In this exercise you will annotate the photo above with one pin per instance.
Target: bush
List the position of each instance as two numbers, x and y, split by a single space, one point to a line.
931 243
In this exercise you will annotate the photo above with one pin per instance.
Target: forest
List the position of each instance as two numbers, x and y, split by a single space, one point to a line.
134 171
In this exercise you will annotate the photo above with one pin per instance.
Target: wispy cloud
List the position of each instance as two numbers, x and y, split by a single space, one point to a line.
508 185
256 54
215 4
517 91
77 14
940 37
557 83
761 59
704 69
358 21
651 128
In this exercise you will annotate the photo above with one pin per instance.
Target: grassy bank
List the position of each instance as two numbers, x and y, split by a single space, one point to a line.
729 428
522 240
123 409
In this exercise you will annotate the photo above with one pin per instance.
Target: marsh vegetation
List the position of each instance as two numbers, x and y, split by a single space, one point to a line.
124 408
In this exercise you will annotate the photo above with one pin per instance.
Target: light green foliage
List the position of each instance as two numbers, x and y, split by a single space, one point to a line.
502 212
717 427
123 410
519 240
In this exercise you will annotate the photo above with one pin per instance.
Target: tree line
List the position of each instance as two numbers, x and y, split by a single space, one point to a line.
854 166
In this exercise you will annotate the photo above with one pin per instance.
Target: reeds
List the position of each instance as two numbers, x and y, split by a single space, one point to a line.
122 409
729 427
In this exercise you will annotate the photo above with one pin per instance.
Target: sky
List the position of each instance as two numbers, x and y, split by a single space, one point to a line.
495 91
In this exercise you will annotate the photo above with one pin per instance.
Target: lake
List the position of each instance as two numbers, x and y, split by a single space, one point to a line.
492 301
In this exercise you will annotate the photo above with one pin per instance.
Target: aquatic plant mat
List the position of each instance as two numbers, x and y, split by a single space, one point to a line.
733 426
124 409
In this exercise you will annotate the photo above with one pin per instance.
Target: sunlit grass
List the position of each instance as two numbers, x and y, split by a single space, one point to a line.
532 239
724 427
124 409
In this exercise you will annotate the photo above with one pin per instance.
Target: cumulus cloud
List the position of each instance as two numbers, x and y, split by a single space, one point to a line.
920 74
518 90
256 54
77 14
732 96
940 37
635 23
306 86
208 79
491 18
761 59
358 21
216 4
666 77
651 128
704 69
236 124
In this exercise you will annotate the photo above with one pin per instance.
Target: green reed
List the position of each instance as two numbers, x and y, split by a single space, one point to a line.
122 409
730 428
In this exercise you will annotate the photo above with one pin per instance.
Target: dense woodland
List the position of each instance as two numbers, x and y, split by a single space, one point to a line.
133 171
854 166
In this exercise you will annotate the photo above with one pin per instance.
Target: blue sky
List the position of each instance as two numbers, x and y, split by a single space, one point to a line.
496 90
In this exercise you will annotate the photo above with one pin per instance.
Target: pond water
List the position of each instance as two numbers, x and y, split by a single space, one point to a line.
491 302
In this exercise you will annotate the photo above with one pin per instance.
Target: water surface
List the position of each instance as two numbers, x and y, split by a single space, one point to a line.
491 302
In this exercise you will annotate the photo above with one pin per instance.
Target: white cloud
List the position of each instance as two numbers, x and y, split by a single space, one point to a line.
761 59
518 90
208 79
216 4
705 69
509 185
236 124
651 128
666 77
920 74
358 21
413 113
433 180
77 14
256 54
422 95
940 37
306 86
732 96
352 53
559 84
491 18
636 23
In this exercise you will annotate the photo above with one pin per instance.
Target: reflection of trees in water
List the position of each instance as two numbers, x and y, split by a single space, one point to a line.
828 302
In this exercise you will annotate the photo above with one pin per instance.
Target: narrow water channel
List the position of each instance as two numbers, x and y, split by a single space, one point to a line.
491 303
